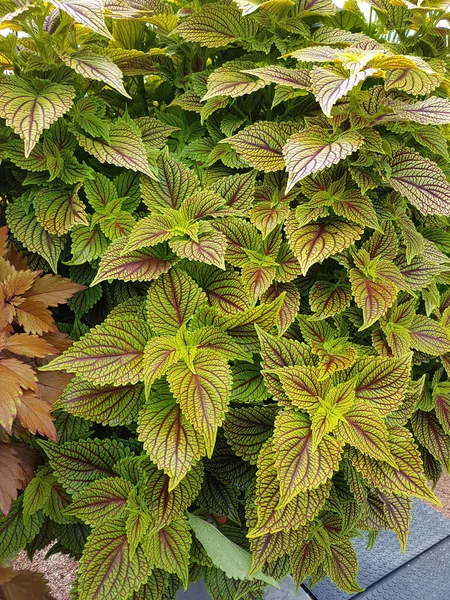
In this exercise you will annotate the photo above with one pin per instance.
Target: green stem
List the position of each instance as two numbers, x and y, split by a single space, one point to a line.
143 93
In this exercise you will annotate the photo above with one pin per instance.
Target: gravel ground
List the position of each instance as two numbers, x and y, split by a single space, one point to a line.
60 569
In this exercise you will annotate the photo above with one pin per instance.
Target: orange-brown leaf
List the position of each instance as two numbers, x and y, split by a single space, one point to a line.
24 374
52 384
34 317
3 240
10 393
16 259
12 477
34 414
16 282
26 344
14 377
60 341
23 585
7 310
52 290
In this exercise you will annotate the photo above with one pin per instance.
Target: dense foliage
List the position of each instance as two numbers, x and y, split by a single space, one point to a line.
252 201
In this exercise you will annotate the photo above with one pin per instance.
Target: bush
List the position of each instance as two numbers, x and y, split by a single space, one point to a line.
261 358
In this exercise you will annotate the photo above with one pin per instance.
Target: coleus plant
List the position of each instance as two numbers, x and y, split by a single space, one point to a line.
257 195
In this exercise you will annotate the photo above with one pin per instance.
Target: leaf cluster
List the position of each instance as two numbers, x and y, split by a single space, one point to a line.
252 199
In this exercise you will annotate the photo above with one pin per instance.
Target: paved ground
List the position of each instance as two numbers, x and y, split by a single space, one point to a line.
60 570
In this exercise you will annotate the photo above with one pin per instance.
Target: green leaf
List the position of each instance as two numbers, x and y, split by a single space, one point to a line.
373 297
15 531
237 190
305 559
154 132
231 80
261 144
160 354
248 384
355 207
278 353
246 429
168 548
32 235
441 400
290 306
175 183
411 80
311 151
124 147
299 511
382 382
421 181
302 385
96 66
328 299
37 493
76 464
105 405
397 512
166 505
216 26
223 289
111 353
299 467
101 501
87 244
172 300
56 504
342 566
432 111
154 588
330 84
407 478
430 434
36 161
137 265
203 392
209 248
257 278
87 12
30 108
107 567
168 437
151 231
363 427
315 242
58 210
428 336
233 560
100 192
295 78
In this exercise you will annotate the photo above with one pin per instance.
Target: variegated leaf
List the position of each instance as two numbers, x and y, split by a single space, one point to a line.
97 67
421 181
299 467
312 150
330 84
215 26
261 144
29 110
315 242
